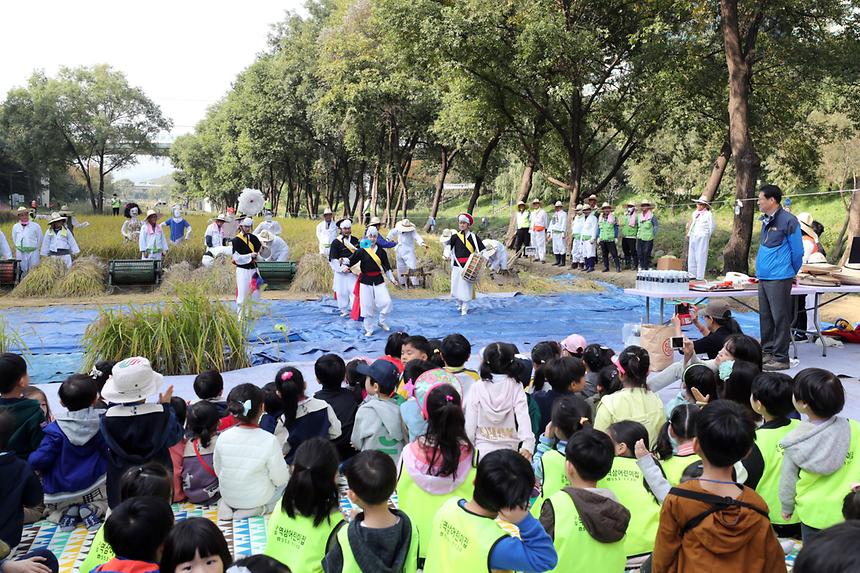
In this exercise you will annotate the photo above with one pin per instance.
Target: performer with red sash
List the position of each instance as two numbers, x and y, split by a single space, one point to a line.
246 249
460 247
372 297
341 249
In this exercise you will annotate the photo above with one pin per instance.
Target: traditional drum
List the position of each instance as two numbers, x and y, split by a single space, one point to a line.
473 266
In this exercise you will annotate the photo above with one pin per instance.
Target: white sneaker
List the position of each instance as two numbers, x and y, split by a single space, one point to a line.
367 334
464 311
344 314
384 326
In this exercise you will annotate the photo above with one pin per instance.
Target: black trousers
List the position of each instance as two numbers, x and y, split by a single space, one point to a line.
607 249
776 313
643 250
522 239
116 211
631 258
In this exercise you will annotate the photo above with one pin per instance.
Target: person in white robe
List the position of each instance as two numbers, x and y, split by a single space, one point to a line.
214 235
268 224
539 223
699 232
590 232
407 238
327 231
26 237
152 243
275 249
558 230
340 251
576 258
496 255
461 245
59 241
373 297
246 249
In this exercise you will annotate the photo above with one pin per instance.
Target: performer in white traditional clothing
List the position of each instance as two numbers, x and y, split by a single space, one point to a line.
342 248
214 236
131 226
152 243
461 245
246 249
268 224
231 225
557 230
71 222
327 232
699 231
576 259
538 230
212 253
59 241
5 250
275 249
406 236
374 299
590 232
496 255
26 236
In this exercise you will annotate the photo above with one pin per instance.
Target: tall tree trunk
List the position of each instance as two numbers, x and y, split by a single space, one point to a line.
717 171
359 191
522 195
736 253
374 192
482 170
389 191
447 160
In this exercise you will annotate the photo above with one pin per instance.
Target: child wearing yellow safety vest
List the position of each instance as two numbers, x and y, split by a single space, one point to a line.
570 414
674 444
302 528
820 463
771 398
438 465
627 482
467 535
379 539
587 523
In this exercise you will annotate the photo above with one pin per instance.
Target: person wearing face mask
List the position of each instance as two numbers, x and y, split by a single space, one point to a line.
26 236
131 226
59 242
180 228
152 243
268 224
716 327
246 249
339 253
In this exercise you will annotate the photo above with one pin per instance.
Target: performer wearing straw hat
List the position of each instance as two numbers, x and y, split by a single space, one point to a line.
576 259
214 236
557 228
59 241
461 246
152 242
699 231
538 225
405 236
274 248
376 223
607 228
340 251
496 255
590 231
629 228
26 236
246 250
326 232
646 231
71 222
522 238
372 296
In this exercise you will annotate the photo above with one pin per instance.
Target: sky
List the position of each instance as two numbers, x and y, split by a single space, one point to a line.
184 54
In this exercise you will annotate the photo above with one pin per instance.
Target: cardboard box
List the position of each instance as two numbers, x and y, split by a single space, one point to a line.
668 263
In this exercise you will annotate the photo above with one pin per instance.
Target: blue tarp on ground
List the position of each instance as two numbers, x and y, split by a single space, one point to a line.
53 334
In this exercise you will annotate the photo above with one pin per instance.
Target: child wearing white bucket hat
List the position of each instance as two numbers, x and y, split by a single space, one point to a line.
136 432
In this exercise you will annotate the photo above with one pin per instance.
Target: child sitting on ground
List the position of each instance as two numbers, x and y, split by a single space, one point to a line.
379 538
19 486
29 416
304 418
330 372
627 482
136 432
438 465
820 463
456 351
199 480
394 349
587 523
713 523
772 399
466 535
355 379
410 411
196 545
248 460
35 393
699 380
566 377
569 415
304 524
497 414
72 458
596 357
608 382
177 450
209 387
674 445
137 529
100 373
378 425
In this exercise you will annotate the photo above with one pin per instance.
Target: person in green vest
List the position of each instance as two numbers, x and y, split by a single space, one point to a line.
646 231
150 479
379 538
771 398
303 527
475 535
608 226
629 229
115 204
439 465
587 523
627 481
820 463
674 444
523 237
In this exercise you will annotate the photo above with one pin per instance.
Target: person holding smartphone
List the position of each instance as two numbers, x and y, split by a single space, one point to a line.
717 325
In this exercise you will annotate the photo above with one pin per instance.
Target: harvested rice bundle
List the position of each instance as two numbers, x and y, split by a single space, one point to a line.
87 277
313 275
41 280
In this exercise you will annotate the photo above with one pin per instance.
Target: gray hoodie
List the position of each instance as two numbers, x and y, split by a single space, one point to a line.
378 550
80 426
816 448
378 427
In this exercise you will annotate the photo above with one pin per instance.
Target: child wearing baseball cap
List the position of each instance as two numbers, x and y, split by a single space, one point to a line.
378 425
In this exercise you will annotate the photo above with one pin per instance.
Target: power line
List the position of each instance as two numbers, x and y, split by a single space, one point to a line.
735 200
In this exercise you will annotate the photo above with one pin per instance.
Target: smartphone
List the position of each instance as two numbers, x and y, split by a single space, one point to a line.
677 342
683 312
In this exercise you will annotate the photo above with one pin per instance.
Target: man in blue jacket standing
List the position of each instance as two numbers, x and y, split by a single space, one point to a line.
779 258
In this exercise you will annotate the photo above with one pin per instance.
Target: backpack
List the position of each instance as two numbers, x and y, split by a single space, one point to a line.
718 503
